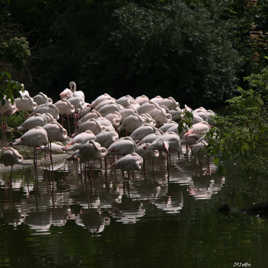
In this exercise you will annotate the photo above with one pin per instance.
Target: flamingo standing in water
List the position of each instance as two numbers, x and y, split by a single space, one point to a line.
129 162
6 109
89 151
195 133
65 109
123 146
55 132
9 157
162 145
83 137
148 154
34 137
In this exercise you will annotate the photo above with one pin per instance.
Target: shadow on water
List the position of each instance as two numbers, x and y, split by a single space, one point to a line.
77 218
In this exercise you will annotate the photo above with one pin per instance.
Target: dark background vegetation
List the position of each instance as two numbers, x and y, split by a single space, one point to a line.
197 51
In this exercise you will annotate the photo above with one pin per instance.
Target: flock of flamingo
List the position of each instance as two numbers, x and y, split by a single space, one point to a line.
127 133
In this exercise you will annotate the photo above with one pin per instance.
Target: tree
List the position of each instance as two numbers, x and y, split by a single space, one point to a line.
168 48
14 46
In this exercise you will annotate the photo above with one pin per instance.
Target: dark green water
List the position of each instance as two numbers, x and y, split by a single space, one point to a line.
71 222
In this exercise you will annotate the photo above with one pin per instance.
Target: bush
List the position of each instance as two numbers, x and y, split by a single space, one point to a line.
241 136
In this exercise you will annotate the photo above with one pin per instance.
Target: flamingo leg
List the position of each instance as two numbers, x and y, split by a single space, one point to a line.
10 176
50 156
168 166
34 159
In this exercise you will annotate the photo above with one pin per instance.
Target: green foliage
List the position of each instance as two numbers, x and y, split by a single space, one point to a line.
9 89
16 119
259 82
185 121
241 136
15 50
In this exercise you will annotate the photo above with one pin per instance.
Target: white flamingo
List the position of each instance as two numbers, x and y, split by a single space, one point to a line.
165 127
142 99
7 108
82 137
148 154
125 112
104 103
146 107
65 107
42 98
89 151
90 115
168 103
66 94
150 138
101 98
55 132
9 157
34 137
107 137
206 115
127 101
77 102
25 104
110 108
35 121
65 110
55 147
91 124
160 115
129 162
195 133
130 123
123 146
142 131
115 118
47 108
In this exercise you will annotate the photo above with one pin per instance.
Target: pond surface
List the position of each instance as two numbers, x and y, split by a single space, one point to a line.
71 220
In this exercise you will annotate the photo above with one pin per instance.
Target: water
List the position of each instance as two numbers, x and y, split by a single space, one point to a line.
69 221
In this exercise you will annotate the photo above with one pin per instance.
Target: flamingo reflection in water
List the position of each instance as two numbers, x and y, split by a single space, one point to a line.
126 210
170 204
42 220
92 219
206 192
